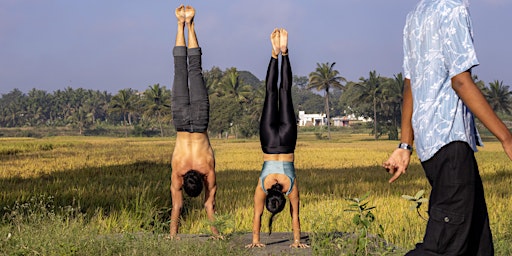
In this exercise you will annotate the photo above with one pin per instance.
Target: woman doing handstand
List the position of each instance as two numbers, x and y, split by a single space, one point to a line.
278 137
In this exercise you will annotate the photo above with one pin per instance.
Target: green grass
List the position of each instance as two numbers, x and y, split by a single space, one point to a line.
110 196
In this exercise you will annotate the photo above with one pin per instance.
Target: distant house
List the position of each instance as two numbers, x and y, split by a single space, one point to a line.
311 119
321 119
345 121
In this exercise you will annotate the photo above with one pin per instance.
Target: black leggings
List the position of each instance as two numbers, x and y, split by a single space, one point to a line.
190 105
278 125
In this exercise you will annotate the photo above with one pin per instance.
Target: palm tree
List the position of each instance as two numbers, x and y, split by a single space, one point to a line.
124 102
323 78
158 103
230 84
211 79
392 104
369 90
13 108
479 83
499 97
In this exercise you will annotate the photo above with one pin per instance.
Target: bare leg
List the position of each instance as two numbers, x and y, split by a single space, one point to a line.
274 39
269 122
180 93
283 41
199 104
189 19
180 35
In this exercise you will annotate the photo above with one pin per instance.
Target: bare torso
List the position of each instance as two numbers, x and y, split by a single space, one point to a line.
274 178
192 152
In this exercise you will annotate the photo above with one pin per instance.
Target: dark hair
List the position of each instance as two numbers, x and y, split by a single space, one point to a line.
275 202
193 183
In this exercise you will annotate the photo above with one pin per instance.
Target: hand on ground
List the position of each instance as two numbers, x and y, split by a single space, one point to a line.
255 245
175 238
299 245
216 237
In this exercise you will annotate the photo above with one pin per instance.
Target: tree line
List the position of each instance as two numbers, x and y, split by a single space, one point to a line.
236 100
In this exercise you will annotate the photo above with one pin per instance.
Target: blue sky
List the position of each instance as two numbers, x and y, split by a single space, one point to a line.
115 44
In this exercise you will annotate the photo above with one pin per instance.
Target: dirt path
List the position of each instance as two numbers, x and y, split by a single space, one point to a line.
276 244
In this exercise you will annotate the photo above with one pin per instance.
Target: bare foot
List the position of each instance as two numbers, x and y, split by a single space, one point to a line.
180 14
274 39
283 41
190 12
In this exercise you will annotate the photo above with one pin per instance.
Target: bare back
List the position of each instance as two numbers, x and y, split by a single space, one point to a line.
192 152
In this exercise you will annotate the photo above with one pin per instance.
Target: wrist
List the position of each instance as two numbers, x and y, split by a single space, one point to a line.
406 146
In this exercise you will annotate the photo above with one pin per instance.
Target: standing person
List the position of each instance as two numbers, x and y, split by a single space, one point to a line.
439 101
193 162
278 137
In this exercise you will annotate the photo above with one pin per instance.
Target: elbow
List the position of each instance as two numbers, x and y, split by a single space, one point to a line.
461 81
177 206
209 206
457 85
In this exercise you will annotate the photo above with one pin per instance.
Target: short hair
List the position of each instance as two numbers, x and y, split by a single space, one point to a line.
193 183
274 202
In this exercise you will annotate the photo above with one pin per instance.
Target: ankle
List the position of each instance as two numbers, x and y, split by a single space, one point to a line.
275 53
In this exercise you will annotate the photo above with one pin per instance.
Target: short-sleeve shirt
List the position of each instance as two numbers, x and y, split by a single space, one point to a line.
438 45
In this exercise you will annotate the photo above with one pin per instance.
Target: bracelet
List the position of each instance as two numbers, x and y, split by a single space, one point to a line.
405 146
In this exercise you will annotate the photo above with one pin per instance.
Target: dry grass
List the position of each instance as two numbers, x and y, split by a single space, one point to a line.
122 184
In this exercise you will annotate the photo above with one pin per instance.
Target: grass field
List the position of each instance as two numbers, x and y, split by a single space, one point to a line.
106 196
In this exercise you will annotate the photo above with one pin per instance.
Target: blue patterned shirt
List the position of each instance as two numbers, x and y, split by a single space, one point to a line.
438 45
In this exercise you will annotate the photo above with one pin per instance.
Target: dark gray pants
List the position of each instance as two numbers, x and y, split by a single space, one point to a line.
458 221
190 105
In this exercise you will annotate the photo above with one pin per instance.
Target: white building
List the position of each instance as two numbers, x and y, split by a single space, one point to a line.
311 119
321 119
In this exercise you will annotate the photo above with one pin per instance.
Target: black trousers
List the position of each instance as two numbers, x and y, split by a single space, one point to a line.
278 125
190 105
458 220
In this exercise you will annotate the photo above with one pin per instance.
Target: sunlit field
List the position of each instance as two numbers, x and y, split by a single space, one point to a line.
65 192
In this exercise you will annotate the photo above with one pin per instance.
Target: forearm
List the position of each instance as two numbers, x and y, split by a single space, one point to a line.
294 212
256 225
407 134
476 102
209 204
175 219
177 204
210 213
296 229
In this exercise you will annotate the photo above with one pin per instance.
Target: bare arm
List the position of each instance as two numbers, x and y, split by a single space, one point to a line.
209 203
399 160
177 204
294 212
473 98
259 203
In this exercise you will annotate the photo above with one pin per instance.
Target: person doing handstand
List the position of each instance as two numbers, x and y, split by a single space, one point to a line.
193 162
278 137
